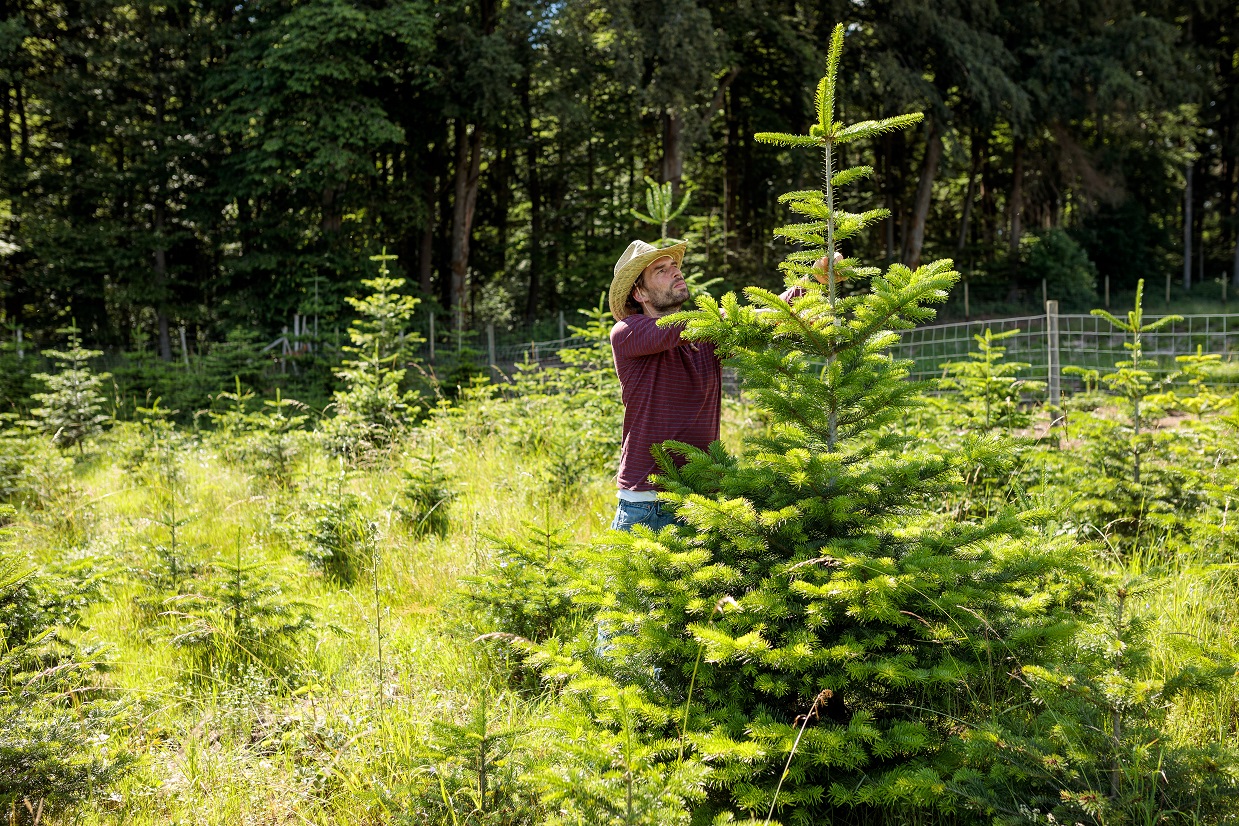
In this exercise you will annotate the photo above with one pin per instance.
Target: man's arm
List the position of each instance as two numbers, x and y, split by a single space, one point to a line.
640 335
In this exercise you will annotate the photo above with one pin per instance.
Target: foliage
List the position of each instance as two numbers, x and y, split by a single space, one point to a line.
989 379
374 408
1054 257
55 715
564 420
242 625
845 590
72 408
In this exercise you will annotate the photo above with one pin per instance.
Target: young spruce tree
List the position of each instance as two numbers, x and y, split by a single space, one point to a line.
810 626
72 408
375 407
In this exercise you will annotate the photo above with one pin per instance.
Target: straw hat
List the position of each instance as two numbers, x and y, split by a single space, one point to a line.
636 258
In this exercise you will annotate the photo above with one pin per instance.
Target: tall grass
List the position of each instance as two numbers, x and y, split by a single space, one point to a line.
348 742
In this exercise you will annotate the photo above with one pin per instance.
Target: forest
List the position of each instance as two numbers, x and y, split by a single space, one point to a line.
224 167
358 580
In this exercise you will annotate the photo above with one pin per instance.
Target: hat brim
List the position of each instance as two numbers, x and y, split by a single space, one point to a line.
621 284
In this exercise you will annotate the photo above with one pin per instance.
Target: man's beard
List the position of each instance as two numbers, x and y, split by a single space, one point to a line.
667 301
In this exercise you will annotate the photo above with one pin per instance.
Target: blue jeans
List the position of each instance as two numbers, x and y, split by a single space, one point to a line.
654 515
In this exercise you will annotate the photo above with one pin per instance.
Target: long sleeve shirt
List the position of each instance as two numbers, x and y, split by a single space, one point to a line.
671 388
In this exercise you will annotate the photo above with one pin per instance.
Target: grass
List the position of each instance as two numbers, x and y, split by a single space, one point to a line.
233 753
344 742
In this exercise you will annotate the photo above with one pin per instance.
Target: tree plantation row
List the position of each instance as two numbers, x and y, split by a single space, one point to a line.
199 165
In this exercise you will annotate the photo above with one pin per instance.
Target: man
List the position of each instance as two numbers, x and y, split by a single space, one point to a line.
672 389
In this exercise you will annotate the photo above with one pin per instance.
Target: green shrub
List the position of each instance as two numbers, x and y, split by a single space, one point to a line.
242 626
340 538
1070 277
426 494
56 718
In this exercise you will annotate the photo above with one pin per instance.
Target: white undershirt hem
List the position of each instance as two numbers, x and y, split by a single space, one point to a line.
637 495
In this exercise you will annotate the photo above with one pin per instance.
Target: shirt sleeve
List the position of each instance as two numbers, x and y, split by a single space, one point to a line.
640 335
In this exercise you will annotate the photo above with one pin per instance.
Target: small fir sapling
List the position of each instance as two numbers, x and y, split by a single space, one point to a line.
56 715
340 537
988 380
1130 378
269 435
242 626
528 588
71 409
1198 398
845 582
1097 750
662 210
375 407
427 494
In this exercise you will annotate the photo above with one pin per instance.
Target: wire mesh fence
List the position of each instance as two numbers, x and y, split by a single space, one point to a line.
1085 341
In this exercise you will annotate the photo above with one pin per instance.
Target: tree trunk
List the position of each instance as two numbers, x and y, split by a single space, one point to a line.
1234 277
974 170
330 220
161 280
23 126
1187 230
468 169
924 193
534 191
1015 209
6 128
673 151
731 177
888 186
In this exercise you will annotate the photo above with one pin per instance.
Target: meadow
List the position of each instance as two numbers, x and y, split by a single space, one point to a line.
239 623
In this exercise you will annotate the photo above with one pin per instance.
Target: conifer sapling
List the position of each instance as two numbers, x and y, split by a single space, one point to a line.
72 408
854 603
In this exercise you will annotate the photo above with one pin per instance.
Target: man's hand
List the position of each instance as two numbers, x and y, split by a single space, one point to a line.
821 269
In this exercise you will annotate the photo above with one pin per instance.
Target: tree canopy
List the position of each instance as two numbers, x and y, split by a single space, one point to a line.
214 166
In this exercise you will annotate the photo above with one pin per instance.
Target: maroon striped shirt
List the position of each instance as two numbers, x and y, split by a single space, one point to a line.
671 389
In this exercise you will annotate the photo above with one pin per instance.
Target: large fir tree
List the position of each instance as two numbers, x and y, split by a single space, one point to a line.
811 624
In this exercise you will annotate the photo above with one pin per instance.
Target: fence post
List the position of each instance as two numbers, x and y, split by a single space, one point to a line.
1045 294
1107 292
561 325
490 346
1051 332
967 313
432 336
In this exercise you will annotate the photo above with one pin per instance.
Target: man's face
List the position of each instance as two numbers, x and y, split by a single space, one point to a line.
661 287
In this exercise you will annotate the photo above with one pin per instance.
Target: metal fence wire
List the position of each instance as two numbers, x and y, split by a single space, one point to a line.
1085 341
